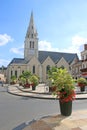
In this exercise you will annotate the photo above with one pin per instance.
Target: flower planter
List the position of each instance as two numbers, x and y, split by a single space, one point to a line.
65 89
65 108
81 84
12 83
82 88
52 89
26 85
33 87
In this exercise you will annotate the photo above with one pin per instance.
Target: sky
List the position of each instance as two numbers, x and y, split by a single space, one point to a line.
61 26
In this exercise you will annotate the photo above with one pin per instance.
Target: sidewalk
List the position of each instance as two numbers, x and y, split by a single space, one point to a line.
40 92
77 120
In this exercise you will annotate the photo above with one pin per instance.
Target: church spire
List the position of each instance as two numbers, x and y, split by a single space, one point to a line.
31 29
31 40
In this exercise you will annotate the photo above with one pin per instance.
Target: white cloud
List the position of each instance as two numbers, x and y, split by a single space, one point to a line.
46 46
77 40
4 39
18 50
4 62
76 43
74 47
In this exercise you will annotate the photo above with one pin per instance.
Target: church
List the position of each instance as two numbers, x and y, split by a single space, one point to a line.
36 61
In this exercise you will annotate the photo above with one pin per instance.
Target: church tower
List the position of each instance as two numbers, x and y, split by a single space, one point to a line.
31 41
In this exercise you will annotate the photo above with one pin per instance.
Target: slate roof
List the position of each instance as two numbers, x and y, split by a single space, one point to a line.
18 61
55 56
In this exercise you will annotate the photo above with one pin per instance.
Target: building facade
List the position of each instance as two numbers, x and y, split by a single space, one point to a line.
3 73
36 61
84 62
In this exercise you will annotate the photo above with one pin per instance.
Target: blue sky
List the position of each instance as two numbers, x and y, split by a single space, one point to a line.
61 26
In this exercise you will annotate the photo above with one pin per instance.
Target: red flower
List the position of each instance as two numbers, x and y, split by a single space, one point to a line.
81 84
65 97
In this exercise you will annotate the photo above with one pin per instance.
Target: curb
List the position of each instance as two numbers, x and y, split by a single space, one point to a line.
32 96
32 92
49 94
78 93
40 96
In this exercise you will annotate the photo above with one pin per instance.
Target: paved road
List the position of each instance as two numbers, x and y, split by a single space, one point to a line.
15 110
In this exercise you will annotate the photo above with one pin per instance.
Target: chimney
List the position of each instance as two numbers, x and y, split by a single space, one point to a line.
85 46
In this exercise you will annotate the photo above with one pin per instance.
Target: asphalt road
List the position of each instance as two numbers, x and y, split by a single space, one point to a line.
15 110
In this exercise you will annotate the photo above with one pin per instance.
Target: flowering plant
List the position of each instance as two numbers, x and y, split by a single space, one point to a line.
66 96
64 84
34 80
81 82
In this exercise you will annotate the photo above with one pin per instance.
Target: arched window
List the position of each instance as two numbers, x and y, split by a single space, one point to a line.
11 72
32 35
22 71
47 68
30 44
33 45
33 69
62 67
16 73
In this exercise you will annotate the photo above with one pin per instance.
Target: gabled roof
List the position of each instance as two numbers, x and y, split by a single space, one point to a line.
18 61
42 55
56 56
